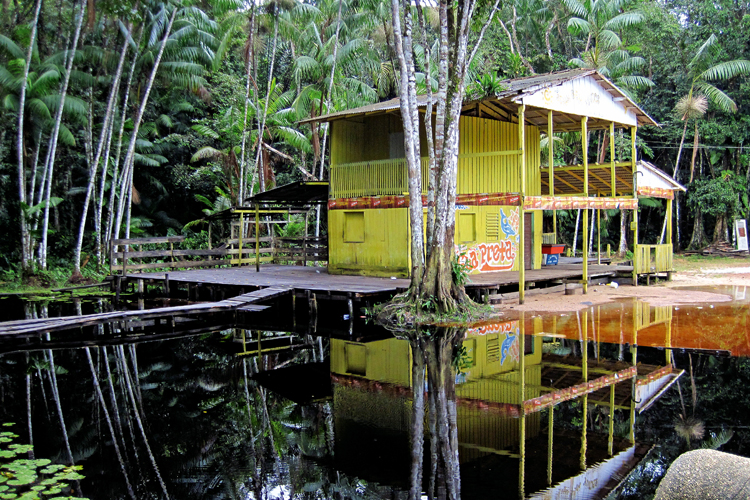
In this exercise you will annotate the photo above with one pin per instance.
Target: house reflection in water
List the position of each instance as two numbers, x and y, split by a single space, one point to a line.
506 389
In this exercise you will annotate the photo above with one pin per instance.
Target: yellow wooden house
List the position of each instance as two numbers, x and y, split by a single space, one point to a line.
502 186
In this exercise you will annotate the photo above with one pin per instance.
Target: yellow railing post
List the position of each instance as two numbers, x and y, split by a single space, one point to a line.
241 230
551 164
613 172
585 239
635 212
257 238
521 221
522 394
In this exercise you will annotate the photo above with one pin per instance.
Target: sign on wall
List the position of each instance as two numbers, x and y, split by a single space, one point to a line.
740 232
497 255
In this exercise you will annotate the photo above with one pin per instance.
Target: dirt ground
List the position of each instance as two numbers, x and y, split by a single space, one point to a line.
709 274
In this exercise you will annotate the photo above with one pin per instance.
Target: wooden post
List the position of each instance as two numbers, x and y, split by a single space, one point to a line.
612 165
599 236
551 165
610 440
585 155
634 362
166 284
633 162
550 441
522 397
521 228
669 237
257 238
241 230
585 399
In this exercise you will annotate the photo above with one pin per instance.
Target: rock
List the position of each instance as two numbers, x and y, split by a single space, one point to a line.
706 475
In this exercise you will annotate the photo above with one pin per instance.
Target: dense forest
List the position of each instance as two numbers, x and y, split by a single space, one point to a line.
138 118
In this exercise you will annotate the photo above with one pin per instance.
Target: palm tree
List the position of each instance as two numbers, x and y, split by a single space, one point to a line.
694 105
701 72
600 21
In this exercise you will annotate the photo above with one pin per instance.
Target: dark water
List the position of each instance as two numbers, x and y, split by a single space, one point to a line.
516 408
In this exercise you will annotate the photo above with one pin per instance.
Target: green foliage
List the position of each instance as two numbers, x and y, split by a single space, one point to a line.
723 195
32 479
460 268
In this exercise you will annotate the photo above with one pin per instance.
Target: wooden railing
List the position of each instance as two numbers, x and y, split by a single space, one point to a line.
296 250
650 259
373 178
549 238
139 254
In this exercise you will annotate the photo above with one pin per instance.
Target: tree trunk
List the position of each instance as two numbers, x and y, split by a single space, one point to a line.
720 229
248 79
623 247
698 239
55 134
127 164
94 165
575 233
115 169
25 244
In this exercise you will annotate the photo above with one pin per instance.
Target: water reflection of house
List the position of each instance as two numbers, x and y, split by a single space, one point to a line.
500 395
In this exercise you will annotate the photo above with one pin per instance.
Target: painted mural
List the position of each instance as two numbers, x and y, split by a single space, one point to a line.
495 255
510 334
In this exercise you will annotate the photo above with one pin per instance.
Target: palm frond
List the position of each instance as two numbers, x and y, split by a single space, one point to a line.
624 20
726 70
11 48
716 96
578 26
207 153
205 131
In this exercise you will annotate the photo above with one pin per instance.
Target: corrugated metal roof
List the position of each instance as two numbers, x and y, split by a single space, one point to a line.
513 88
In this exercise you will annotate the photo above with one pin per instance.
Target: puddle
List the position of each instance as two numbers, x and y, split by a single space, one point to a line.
525 405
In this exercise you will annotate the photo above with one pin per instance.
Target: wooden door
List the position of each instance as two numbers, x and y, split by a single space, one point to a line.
528 233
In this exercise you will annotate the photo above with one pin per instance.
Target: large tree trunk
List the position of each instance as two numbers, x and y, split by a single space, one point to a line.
698 240
720 229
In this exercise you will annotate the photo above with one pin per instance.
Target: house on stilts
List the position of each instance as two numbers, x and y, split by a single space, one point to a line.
502 187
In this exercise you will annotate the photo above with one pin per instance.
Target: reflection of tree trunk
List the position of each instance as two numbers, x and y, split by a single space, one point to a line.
56 396
441 379
28 408
136 412
109 423
417 435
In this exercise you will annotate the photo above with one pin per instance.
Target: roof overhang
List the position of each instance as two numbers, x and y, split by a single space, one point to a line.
571 95
294 194
650 181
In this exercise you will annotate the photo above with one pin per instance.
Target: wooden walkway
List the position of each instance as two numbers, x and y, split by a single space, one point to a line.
244 303
317 280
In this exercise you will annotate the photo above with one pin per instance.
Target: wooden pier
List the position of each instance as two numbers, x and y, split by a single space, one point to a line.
243 303
316 281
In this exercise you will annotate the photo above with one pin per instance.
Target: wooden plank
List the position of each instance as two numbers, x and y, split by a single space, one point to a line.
148 241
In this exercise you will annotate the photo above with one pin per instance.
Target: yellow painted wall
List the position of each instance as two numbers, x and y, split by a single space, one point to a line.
367 139
384 250
387 360
496 174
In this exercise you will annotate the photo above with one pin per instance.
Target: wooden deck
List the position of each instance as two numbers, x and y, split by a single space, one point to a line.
317 279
